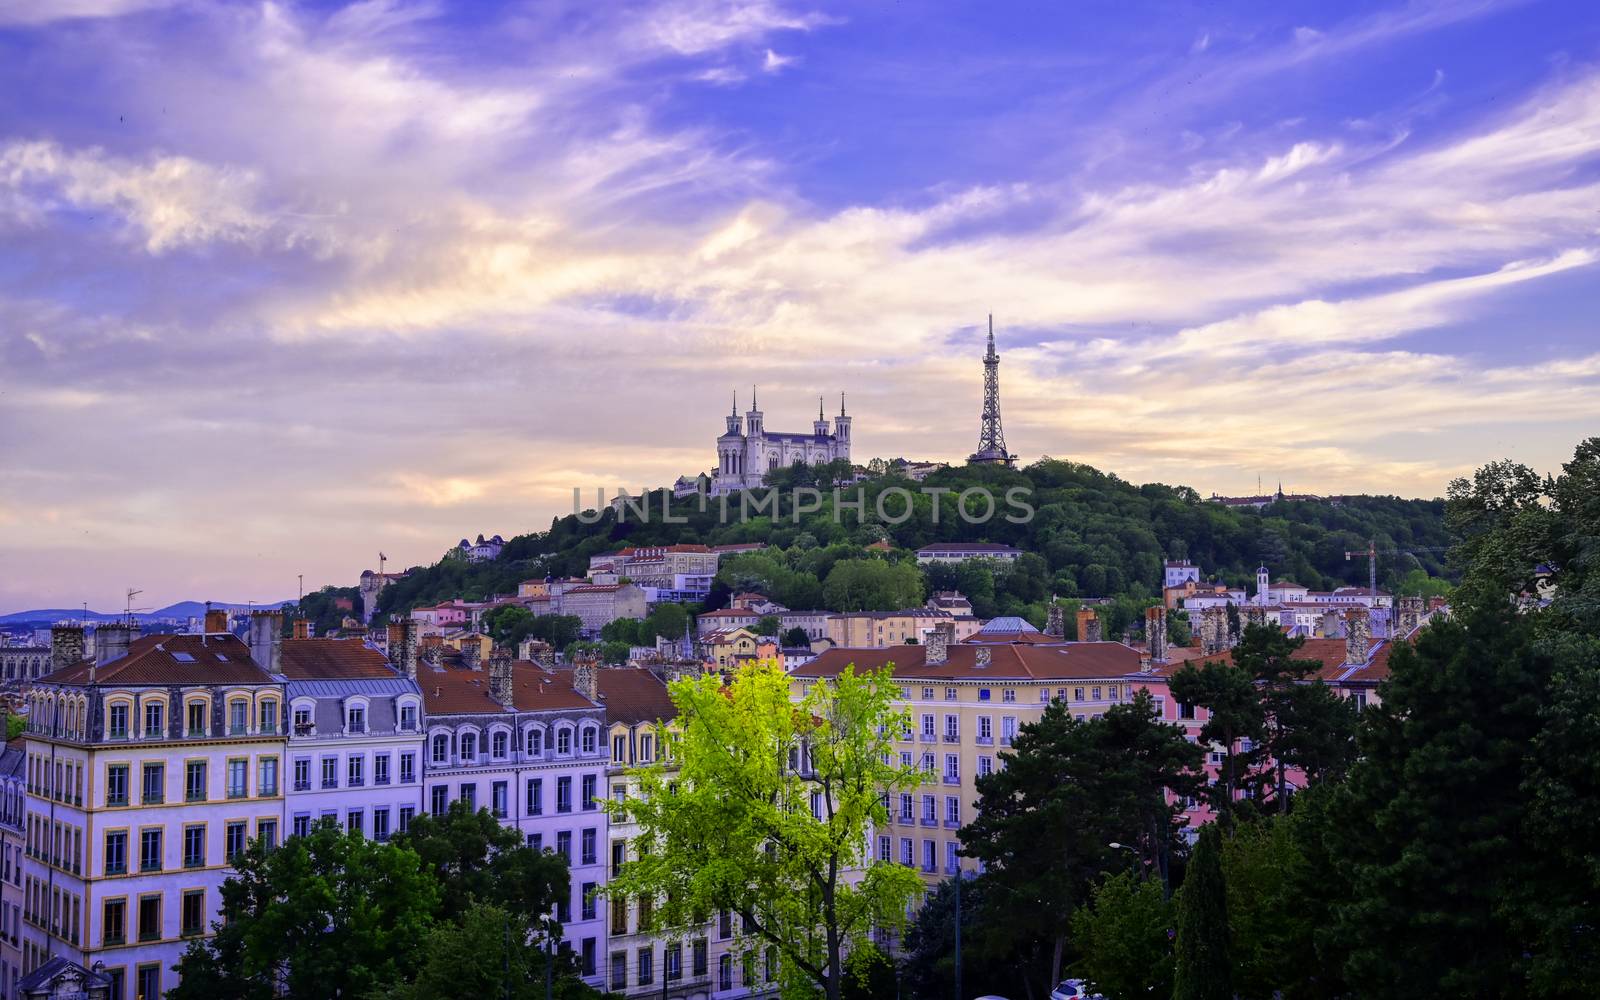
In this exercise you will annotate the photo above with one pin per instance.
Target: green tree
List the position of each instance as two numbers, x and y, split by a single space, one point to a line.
1125 937
509 625
329 914
768 625
488 954
766 813
872 585
1228 692
476 859
1203 970
796 637
1071 787
1268 933
666 621
1179 631
927 960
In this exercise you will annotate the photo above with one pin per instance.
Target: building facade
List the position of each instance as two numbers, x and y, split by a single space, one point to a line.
747 451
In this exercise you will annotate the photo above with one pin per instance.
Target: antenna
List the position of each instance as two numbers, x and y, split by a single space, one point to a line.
128 608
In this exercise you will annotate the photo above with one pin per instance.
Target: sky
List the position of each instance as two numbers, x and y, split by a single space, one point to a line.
283 285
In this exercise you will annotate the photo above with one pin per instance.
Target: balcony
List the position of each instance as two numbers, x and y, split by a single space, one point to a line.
952 824
195 795
116 868
929 738
952 737
929 821
303 786
952 779
986 741
304 729
150 865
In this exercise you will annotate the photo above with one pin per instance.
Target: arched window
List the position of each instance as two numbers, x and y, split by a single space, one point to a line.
441 749
589 739
535 742
268 715
469 746
499 744
563 741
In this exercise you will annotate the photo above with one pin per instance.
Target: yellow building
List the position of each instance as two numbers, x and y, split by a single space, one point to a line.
727 646
877 629
966 701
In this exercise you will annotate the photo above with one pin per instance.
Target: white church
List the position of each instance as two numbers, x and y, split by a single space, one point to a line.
747 451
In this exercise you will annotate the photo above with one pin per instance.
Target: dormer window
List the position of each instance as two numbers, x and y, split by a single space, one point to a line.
647 747
563 741
269 716
441 749
302 722
238 717
408 717
469 746
356 719
117 724
536 742
589 740
196 718
155 719
498 744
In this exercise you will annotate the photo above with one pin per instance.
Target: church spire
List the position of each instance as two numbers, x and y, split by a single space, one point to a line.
841 404
819 409
736 402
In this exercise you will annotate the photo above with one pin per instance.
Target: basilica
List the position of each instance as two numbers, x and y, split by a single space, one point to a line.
747 451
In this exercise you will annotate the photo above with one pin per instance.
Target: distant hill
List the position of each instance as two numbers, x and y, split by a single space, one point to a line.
1092 534
181 610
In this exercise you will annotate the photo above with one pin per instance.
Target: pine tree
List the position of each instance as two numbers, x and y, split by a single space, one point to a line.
1204 970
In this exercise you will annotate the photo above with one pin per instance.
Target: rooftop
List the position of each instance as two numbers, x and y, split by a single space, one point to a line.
1019 661
220 658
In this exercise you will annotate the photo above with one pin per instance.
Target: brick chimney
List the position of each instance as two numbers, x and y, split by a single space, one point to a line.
111 641
216 620
471 653
302 628
982 657
403 646
1055 624
1357 635
1088 625
1155 633
1410 615
432 652
1330 623
937 646
586 679
66 646
266 640
501 687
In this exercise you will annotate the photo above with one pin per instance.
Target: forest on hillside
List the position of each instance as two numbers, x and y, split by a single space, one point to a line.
1090 535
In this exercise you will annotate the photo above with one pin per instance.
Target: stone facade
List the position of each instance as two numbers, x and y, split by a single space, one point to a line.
747 451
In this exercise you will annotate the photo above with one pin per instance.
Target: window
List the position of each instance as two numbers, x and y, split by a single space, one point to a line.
155 718
929 803
234 838
355 821
1008 695
885 849
619 792
927 694
905 807
619 970
194 846
302 721
238 778
300 826
619 855
1185 711
563 795
700 952
536 742
952 810
647 971
905 851
154 789
330 772
672 959
469 797
588 951
117 725
564 845
469 746
196 718
498 744
952 857
725 924
356 719
267 776
928 855
985 766
269 717
302 774
589 740
647 748
408 717
586 843
380 769
408 768
114 922
150 850
587 901
725 972
535 797
116 852
563 741
952 767
1044 696
267 833
238 717
117 785
438 799
952 727
1094 694
380 824
149 920
587 792
927 764
927 725
193 912
406 812
441 749
985 729
1008 729
498 803
355 771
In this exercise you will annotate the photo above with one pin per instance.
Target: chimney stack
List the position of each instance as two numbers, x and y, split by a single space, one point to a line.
1213 630
266 640
1410 615
66 646
586 678
982 657
111 641
1055 624
1155 633
937 646
403 647
1330 623
501 687
1088 625
471 653
1357 635
302 628
216 620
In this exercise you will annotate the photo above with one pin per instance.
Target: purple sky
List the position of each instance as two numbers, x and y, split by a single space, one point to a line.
282 285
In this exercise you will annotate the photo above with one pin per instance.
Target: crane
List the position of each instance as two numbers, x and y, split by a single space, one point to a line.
1372 552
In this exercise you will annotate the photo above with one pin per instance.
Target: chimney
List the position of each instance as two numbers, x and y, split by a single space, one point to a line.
66 646
1213 630
471 653
1410 615
1055 624
1330 623
1357 635
216 620
1088 625
302 628
111 641
586 679
266 640
1155 632
936 649
982 657
500 676
403 646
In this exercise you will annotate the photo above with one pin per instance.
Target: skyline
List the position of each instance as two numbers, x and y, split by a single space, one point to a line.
1216 242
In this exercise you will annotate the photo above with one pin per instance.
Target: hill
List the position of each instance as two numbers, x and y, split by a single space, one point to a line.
1089 534
179 611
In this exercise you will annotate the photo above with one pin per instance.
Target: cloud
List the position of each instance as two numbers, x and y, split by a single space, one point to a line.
34 13
694 27
772 62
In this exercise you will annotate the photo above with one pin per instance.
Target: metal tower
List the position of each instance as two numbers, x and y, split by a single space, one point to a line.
991 439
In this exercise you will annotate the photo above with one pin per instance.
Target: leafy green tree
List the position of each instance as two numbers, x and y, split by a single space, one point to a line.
872 585
329 914
1125 937
766 811
1268 933
488 954
927 960
1179 631
509 625
1204 969
1071 787
1228 692
478 860
768 625
558 630
667 621
796 637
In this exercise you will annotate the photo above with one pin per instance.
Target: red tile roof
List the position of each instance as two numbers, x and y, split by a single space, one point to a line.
457 691
333 659
172 659
633 696
1021 661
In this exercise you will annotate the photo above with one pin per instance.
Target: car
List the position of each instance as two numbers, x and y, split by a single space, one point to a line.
1074 989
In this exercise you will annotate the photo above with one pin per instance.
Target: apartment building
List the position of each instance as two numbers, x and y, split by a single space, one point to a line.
877 629
526 744
148 768
966 701
13 794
